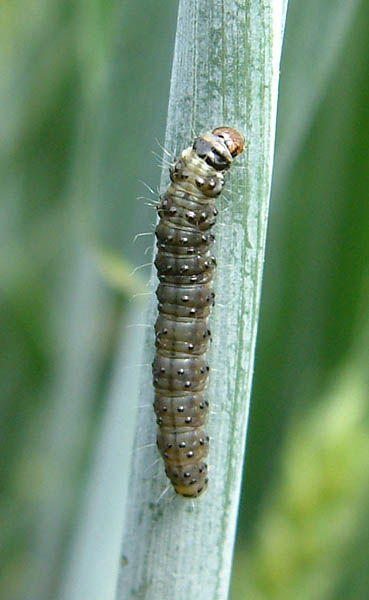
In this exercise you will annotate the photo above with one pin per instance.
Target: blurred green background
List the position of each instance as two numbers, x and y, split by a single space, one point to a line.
84 90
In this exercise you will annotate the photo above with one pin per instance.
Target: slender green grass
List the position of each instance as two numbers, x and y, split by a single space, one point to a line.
225 72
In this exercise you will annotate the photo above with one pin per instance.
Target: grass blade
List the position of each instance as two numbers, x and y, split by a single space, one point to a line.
225 71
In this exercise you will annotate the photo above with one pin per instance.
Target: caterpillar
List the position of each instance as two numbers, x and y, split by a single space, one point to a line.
185 269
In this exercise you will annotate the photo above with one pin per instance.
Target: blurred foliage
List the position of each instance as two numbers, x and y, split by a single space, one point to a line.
313 327
84 91
307 535
65 67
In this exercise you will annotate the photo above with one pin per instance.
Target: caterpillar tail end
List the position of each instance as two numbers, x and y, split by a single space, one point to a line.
190 481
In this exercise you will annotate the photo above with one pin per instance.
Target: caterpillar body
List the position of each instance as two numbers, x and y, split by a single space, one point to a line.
185 268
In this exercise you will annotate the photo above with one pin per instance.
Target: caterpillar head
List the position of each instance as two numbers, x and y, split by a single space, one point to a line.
219 147
232 139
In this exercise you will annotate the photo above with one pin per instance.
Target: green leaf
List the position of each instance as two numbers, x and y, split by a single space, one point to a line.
225 72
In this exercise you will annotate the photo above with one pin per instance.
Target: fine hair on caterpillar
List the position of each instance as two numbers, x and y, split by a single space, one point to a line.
185 268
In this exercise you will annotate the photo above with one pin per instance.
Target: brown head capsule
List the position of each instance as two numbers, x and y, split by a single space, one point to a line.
233 139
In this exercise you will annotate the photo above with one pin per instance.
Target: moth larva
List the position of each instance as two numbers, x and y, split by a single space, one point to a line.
185 295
